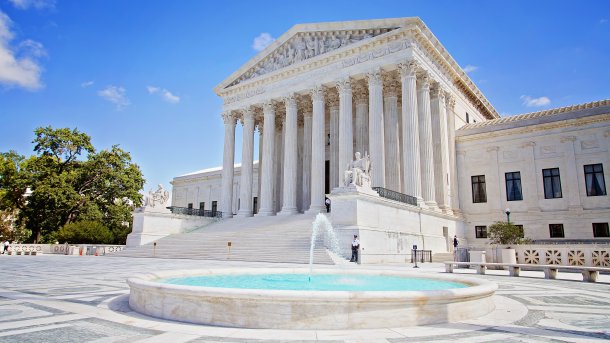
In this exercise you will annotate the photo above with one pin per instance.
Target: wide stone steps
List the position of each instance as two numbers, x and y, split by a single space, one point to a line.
279 239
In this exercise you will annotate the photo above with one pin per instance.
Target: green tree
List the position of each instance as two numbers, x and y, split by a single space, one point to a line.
505 233
85 232
68 181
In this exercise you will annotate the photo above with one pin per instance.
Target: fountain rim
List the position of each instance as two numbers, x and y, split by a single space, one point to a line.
476 287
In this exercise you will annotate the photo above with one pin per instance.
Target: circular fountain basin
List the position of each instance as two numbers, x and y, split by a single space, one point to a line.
309 309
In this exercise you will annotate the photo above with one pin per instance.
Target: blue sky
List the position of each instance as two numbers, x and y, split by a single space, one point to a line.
140 73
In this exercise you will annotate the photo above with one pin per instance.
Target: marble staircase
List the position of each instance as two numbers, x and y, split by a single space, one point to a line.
281 239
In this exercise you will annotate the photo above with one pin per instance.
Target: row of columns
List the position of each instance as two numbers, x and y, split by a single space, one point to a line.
410 151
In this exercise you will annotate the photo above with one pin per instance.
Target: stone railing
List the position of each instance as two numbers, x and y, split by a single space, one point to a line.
590 255
66 249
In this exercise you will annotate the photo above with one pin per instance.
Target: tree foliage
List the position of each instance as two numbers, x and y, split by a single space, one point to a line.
506 233
85 232
68 181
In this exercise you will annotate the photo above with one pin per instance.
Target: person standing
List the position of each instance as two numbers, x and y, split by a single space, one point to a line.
327 203
355 247
455 245
6 246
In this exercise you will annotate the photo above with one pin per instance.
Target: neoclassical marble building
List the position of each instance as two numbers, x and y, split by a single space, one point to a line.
323 91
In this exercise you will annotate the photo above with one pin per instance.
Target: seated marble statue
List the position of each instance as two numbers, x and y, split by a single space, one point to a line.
159 197
358 171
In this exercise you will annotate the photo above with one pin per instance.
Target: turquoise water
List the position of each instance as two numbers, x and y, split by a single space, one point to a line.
319 282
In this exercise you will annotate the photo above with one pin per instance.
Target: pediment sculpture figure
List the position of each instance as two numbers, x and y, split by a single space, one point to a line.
158 197
358 172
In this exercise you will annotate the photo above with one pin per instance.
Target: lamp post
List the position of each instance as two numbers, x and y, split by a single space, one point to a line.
507 211
415 255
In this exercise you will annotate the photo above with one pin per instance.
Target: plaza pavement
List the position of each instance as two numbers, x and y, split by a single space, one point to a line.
52 298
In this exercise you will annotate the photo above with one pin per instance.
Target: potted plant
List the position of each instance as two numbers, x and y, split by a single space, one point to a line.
507 234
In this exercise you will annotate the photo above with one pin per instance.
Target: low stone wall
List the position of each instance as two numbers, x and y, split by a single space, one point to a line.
66 249
590 255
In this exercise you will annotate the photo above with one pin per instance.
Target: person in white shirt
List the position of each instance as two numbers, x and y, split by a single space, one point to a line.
355 247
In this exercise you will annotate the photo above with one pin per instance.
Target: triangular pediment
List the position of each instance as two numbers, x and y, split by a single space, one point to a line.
307 41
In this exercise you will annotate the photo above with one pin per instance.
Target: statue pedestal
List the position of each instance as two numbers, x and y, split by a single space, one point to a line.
152 223
387 229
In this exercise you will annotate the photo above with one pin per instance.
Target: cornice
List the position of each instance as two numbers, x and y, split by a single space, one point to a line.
534 128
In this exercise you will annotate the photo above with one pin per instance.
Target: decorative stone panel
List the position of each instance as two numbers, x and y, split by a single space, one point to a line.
553 257
531 257
601 258
576 258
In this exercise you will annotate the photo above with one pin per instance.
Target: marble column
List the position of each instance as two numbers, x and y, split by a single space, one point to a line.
289 204
440 149
390 133
425 141
410 131
362 109
376 129
279 162
227 165
454 196
333 103
268 177
307 149
259 126
318 141
346 130
245 184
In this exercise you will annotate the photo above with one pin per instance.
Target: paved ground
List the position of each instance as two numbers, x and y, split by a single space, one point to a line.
84 299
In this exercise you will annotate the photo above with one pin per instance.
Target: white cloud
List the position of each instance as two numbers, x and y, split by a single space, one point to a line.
115 95
37 4
535 102
164 94
262 41
87 84
603 21
18 66
470 68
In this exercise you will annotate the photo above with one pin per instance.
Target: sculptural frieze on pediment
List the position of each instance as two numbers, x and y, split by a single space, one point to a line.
305 45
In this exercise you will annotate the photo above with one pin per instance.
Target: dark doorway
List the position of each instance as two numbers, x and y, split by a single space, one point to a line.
255 205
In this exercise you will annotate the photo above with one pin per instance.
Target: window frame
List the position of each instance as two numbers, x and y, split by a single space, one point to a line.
513 180
558 226
593 174
595 230
480 231
551 177
480 196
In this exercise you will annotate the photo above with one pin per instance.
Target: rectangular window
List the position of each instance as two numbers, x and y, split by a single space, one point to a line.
594 179
478 189
214 208
190 205
202 206
601 230
552 183
556 231
480 231
513 186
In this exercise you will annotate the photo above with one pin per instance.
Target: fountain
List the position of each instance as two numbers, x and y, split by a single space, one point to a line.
322 225
289 298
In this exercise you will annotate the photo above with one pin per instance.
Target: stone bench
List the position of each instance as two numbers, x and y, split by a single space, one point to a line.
589 274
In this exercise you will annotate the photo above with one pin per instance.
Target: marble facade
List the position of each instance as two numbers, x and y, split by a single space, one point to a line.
323 91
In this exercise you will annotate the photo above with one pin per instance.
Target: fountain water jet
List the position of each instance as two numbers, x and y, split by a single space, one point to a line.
322 225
